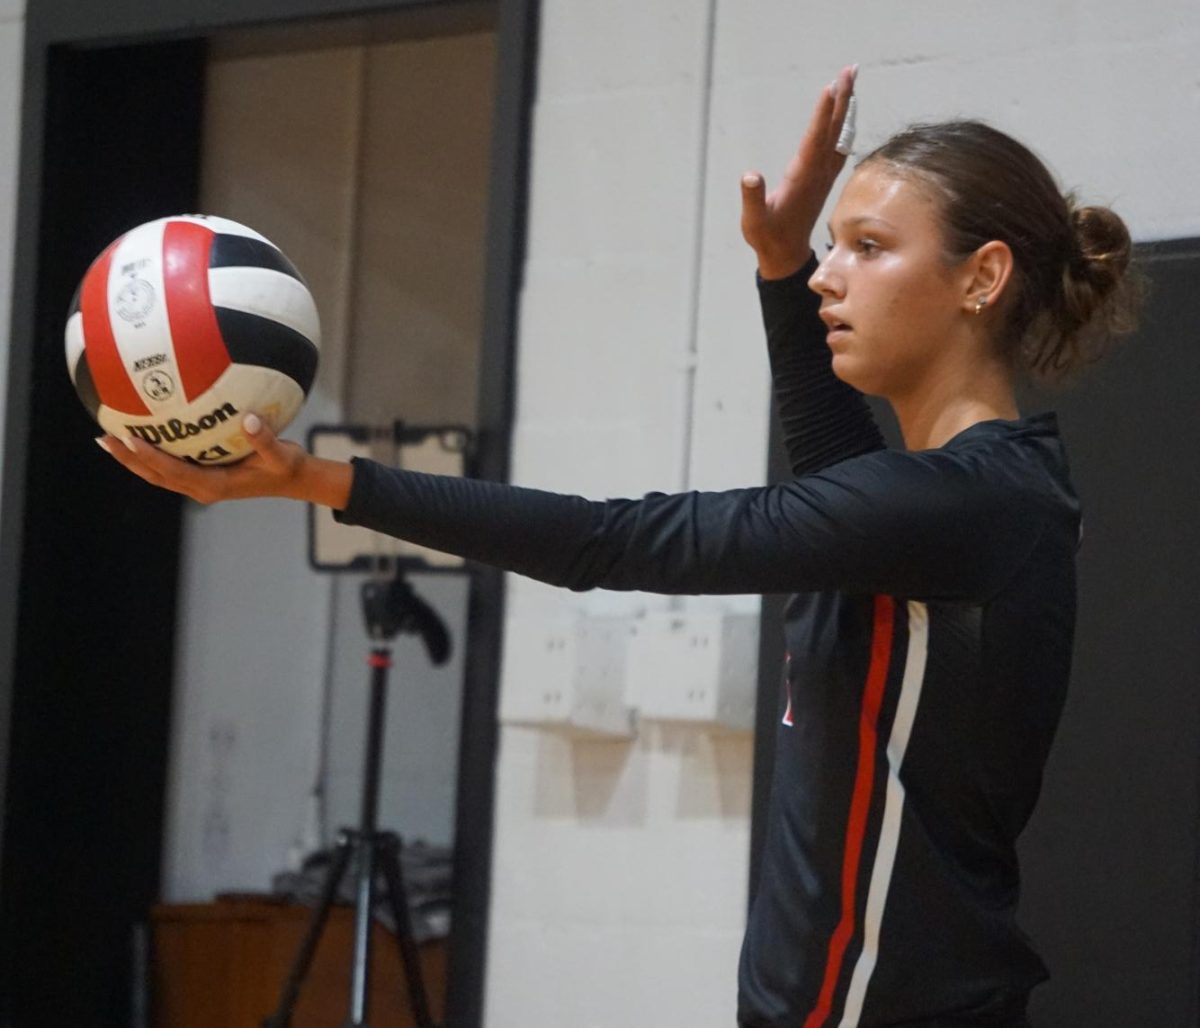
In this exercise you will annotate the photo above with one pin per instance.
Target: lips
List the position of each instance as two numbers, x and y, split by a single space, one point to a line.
836 335
833 322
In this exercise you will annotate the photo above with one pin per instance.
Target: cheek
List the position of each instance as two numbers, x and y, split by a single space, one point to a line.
922 299
889 352
908 323
905 300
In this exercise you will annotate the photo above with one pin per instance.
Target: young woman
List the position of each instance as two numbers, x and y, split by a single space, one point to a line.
929 639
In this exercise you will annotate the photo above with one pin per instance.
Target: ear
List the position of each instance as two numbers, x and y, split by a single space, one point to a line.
988 273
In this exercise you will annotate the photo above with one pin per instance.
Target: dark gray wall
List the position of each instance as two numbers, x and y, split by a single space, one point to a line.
1110 858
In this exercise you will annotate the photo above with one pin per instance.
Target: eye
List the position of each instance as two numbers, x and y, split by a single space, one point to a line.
866 245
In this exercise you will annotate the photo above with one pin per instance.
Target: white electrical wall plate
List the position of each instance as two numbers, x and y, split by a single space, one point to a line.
695 666
567 673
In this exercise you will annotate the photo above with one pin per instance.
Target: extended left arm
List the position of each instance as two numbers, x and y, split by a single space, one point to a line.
922 525
892 522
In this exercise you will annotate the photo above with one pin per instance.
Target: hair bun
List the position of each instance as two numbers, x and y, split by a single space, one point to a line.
1100 296
1103 244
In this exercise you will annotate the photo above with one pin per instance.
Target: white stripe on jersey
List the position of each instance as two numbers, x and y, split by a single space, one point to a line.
889 835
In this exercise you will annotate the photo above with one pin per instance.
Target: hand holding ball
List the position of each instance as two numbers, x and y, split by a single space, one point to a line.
185 324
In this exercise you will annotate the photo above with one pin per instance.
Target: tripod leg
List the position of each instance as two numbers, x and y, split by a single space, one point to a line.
364 906
282 1017
397 897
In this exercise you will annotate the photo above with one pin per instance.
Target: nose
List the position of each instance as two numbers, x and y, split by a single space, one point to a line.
824 280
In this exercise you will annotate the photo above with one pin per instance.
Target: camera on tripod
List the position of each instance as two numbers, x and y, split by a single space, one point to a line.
390 607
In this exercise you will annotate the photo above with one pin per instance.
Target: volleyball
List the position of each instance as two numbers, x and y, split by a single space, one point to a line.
184 324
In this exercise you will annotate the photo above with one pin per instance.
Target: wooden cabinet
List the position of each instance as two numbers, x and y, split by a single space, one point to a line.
222 965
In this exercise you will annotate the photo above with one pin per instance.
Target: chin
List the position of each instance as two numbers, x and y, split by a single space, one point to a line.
867 377
852 373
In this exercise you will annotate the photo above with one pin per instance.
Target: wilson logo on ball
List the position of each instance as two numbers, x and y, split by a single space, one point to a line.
185 321
176 430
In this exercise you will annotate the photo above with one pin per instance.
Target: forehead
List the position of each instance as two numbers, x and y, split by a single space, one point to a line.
874 193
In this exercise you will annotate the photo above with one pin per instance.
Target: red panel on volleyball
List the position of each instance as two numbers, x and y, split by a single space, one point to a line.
200 353
113 384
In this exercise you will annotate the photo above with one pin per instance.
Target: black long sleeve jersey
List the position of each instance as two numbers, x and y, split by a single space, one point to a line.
929 645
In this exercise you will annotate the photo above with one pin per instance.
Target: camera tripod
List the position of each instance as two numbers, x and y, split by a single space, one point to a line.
389 609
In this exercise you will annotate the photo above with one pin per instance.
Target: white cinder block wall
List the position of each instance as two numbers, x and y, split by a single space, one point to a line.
12 37
620 870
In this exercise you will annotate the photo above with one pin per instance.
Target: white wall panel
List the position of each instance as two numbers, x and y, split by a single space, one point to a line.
613 175
598 843
588 363
610 46
652 971
634 842
729 445
1103 93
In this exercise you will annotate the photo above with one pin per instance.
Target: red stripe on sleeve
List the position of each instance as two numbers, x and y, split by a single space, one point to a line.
200 353
856 829
113 384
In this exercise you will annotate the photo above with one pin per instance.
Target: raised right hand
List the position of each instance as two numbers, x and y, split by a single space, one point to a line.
779 225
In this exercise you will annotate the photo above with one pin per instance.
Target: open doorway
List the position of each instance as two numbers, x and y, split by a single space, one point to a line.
203 729
360 148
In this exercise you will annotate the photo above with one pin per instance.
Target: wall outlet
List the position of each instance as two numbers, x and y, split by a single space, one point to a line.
699 667
568 674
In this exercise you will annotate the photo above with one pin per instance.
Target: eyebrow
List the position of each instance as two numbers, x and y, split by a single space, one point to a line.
859 219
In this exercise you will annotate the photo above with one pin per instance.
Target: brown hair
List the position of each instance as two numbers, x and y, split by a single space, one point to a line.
1072 289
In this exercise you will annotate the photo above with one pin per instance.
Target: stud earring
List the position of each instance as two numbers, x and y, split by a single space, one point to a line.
979 304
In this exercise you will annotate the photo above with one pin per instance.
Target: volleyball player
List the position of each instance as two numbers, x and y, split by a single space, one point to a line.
929 637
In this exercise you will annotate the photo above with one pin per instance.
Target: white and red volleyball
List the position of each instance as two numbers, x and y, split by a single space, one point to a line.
183 325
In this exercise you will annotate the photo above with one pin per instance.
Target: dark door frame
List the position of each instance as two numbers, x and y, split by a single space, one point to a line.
55 32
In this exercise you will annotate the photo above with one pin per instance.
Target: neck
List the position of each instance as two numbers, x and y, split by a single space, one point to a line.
943 405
